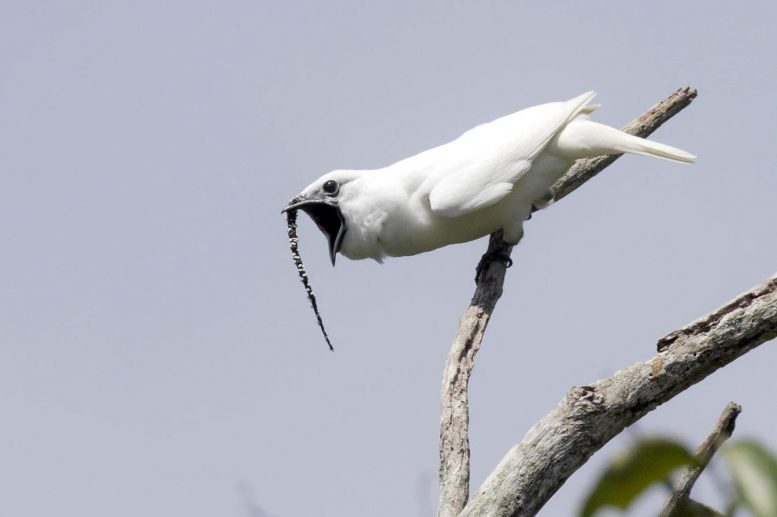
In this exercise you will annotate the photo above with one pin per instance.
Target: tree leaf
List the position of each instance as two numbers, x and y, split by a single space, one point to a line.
691 508
631 472
754 471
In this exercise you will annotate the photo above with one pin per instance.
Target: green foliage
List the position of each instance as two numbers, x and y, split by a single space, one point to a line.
754 473
630 473
752 467
691 508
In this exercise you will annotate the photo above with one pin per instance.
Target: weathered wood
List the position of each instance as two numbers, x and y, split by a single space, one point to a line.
589 416
674 506
454 423
454 419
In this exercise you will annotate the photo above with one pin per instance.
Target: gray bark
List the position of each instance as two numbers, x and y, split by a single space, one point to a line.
720 433
454 419
589 416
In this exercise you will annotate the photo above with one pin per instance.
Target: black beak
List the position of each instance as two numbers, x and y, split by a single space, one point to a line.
327 216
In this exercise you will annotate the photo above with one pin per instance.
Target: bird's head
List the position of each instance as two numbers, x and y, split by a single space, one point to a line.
322 199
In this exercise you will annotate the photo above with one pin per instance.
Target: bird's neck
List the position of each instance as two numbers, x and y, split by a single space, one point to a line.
374 202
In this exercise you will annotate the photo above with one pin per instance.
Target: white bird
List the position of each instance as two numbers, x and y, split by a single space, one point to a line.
490 178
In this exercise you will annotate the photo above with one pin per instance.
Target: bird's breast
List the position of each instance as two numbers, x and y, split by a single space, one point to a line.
414 228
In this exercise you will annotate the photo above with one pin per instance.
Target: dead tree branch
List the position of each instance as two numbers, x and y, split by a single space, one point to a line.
454 419
720 433
589 416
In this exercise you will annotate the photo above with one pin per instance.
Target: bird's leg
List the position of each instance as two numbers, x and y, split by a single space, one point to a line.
487 259
498 249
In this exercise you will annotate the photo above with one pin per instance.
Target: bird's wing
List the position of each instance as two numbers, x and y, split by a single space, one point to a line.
481 167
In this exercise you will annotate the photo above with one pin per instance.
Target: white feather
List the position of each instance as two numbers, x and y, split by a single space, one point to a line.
487 179
480 164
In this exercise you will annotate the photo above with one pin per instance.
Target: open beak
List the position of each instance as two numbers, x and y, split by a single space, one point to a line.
327 216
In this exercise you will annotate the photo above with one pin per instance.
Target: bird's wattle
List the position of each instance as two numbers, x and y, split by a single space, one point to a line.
328 218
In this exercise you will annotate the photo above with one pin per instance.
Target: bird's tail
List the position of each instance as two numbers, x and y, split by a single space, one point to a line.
583 139
637 145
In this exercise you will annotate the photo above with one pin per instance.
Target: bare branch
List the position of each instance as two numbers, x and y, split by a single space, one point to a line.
589 416
454 419
722 432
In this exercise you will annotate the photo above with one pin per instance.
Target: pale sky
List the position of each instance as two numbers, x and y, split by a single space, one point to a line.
159 357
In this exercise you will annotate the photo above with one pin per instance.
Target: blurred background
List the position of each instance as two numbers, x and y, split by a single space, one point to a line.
158 353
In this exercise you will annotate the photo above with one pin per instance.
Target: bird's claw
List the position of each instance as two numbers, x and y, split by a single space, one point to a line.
487 259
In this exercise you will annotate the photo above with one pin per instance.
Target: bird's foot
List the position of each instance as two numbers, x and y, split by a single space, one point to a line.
487 259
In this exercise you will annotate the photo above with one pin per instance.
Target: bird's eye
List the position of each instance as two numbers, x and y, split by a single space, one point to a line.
331 187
